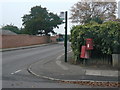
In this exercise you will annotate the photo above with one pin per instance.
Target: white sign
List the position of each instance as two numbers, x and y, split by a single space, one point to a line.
62 15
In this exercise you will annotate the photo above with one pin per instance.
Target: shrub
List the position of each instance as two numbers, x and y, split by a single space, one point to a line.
106 37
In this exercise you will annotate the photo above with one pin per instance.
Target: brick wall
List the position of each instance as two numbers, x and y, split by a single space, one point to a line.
11 41
53 38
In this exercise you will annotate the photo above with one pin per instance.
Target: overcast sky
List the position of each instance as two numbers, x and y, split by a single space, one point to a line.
11 11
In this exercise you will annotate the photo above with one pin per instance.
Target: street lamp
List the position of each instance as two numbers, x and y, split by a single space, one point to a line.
63 16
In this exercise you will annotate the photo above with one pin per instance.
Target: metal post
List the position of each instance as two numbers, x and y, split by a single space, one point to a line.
66 36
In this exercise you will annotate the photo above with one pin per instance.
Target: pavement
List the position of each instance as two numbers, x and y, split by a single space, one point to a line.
55 68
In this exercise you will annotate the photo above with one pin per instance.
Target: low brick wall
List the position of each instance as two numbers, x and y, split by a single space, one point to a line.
11 41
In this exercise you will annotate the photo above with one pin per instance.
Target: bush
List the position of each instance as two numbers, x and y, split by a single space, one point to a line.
106 37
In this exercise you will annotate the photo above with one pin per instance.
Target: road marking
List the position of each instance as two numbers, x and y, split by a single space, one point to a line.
59 62
63 54
62 66
59 56
16 71
70 51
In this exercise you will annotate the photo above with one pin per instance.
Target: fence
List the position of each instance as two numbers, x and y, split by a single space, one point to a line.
100 58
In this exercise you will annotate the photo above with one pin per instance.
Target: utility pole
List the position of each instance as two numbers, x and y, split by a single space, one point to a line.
65 36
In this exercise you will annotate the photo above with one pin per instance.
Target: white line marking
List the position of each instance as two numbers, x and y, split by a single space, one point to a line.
59 56
12 73
63 54
62 66
59 62
69 51
16 71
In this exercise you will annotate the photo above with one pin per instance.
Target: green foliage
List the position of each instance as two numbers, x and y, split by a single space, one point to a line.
12 28
106 37
94 19
40 21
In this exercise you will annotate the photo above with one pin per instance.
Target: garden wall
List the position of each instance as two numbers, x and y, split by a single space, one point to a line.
12 41
53 38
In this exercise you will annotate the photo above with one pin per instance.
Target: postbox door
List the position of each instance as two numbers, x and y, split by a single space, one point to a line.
89 44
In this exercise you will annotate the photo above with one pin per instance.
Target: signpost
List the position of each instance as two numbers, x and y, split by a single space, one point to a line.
66 36
63 16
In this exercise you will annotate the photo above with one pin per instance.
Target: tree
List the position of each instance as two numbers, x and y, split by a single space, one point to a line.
12 28
85 11
40 21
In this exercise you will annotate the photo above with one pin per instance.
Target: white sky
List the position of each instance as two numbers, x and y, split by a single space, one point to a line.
11 11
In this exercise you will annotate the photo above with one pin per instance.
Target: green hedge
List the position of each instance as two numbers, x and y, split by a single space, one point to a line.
106 37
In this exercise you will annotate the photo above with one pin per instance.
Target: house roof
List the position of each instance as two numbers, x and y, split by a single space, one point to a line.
7 32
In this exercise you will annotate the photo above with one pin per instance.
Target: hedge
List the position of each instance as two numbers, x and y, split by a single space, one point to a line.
106 37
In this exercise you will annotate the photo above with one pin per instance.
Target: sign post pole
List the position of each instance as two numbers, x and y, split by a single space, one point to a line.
66 36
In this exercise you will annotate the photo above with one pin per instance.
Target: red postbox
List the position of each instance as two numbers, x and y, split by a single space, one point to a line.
89 44
84 52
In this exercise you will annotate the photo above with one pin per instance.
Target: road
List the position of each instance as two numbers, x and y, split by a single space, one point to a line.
16 62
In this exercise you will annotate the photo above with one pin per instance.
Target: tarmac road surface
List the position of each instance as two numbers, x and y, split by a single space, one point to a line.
16 62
